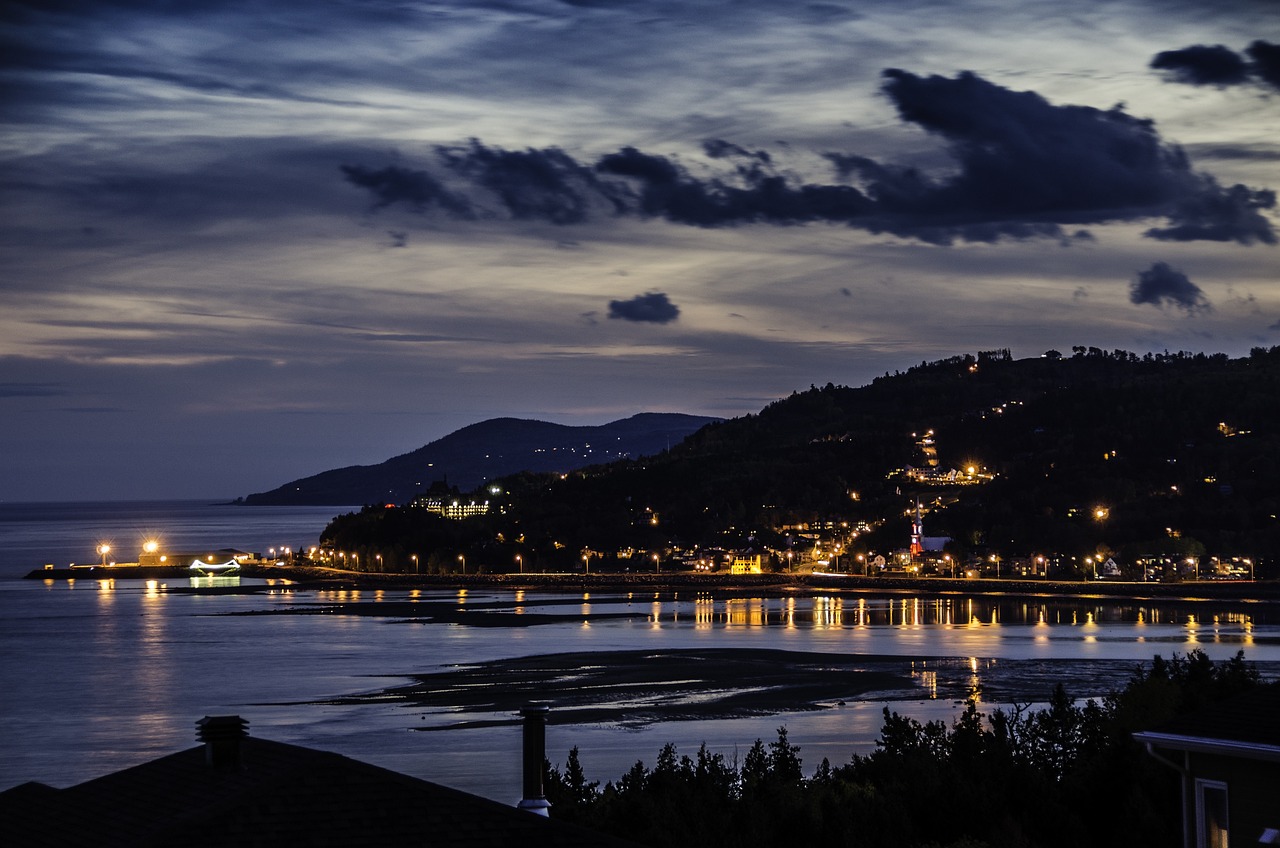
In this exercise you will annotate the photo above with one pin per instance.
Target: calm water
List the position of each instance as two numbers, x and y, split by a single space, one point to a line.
95 676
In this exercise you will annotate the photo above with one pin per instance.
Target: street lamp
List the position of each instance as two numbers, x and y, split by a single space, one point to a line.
519 563
379 558
414 557
104 549
656 566
462 559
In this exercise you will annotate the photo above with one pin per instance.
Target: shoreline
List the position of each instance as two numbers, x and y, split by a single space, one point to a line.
324 578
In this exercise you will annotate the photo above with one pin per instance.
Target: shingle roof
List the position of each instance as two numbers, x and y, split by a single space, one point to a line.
281 795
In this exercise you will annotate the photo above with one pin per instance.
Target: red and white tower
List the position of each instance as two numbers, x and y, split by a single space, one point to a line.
917 532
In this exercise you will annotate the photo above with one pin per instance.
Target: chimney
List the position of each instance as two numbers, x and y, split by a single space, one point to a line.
221 736
535 754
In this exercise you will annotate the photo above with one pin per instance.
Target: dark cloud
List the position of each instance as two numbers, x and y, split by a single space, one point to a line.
1201 64
1023 168
1266 61
532 184
652 308
720 149
418 189
1161 285
1220 215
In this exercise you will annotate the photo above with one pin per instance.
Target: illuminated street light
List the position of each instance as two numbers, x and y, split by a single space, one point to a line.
656 566
462 559
104 549
414 557
519 563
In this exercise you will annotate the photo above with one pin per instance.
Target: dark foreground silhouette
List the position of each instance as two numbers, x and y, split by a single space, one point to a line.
1068 774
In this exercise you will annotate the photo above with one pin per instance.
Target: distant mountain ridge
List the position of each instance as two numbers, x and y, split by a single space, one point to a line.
484 451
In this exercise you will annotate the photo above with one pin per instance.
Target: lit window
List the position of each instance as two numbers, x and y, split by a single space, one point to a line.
1211 814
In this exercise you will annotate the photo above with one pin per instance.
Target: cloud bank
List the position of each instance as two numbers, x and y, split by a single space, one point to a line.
1023 168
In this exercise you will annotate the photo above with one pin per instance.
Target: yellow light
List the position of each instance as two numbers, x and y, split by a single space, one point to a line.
151 546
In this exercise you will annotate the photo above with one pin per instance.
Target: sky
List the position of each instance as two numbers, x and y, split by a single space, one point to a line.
245 242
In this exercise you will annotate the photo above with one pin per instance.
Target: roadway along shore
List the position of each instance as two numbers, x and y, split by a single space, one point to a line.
774 583
323 577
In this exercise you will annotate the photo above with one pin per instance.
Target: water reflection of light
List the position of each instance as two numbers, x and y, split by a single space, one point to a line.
152 589
744 612
927 678
378 595
975 682
704 612
791 613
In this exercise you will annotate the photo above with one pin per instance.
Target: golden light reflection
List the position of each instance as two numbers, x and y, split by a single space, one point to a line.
704 612
828 612
744 612
926 677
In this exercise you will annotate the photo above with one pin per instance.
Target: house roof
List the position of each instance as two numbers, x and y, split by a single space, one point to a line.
1243 726
280 795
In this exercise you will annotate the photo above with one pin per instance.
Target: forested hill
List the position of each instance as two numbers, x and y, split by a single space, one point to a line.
483 451
1182 449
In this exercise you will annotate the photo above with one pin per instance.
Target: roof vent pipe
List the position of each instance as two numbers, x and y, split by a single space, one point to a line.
221 736
535 755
